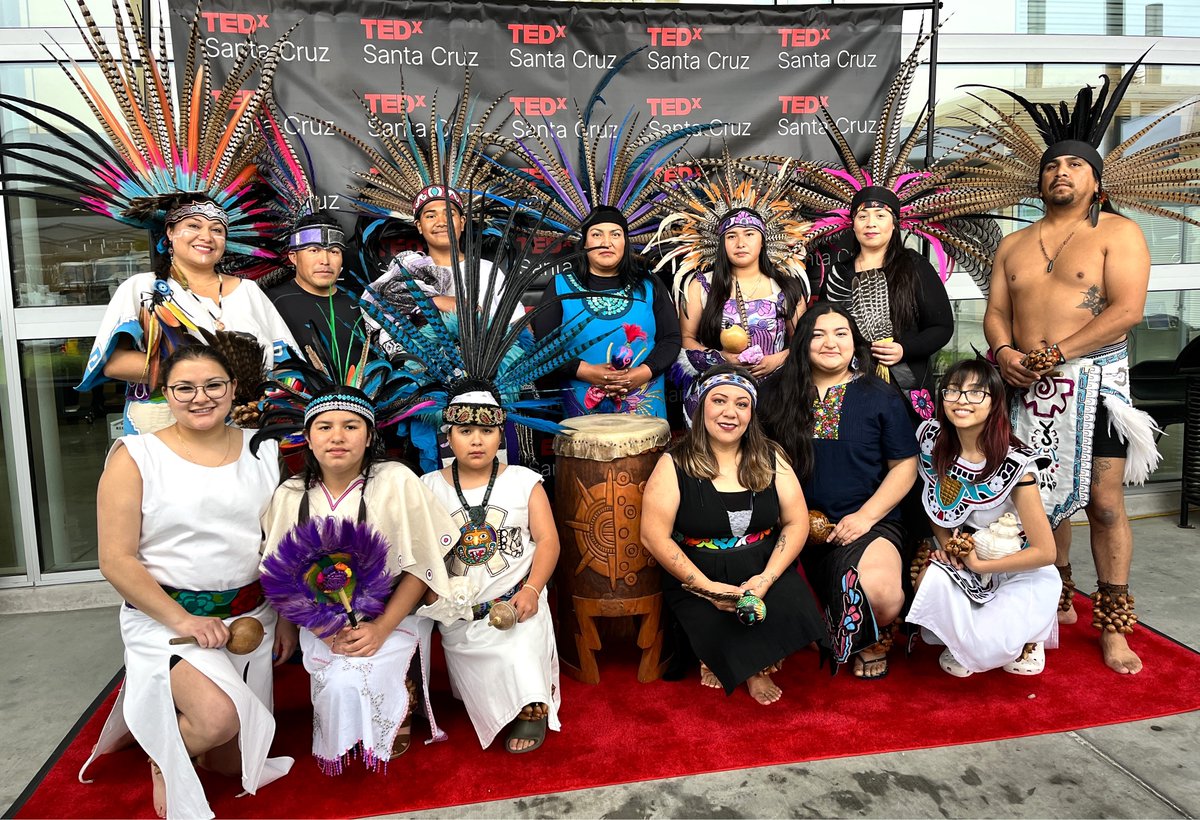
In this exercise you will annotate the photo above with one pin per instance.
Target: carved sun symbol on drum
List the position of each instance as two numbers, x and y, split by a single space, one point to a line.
607 522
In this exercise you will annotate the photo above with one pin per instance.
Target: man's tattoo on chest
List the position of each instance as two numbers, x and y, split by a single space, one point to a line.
1093 300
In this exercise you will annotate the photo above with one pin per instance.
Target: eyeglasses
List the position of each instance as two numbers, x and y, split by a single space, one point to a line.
973 396
184 392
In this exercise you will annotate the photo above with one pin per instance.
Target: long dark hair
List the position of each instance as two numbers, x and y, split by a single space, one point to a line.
721 288
901 276
693 451
997 435
787 409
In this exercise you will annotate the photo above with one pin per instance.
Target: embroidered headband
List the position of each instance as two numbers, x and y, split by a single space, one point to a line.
317 236
742 218
434 192
342 398
729 378
206 208
477 408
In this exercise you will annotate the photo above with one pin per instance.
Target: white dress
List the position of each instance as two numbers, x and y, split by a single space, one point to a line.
364 700
245 308
494 672
984 625
200 531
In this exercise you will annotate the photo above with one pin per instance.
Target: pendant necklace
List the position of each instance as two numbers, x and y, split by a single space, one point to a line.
188 450
478 540
1050 260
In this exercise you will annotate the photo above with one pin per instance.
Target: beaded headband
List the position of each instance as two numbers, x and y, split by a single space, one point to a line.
729 378
206 209
742 219
355 402
319 236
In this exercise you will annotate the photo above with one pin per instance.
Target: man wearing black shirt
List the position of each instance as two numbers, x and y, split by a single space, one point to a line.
315 308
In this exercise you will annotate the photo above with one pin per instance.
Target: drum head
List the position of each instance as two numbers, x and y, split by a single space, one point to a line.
609 436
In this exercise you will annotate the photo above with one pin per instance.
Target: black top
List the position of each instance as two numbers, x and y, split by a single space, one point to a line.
935 319
872 428
300 309
704 510
667 337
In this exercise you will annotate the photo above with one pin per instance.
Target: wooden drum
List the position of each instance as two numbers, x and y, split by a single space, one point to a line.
603 569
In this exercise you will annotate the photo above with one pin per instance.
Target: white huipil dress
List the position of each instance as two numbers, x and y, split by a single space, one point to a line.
984 625
495 672
364 700
200 531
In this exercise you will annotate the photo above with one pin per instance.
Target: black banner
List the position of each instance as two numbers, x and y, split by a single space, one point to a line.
761 72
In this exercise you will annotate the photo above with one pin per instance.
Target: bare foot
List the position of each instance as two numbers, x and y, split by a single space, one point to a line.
159 790
1117 654
707 678
763 689
1068 617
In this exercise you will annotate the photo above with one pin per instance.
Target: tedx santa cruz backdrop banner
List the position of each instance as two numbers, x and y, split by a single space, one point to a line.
761 73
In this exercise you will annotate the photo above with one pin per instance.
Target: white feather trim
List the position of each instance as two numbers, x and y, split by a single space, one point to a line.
1137 429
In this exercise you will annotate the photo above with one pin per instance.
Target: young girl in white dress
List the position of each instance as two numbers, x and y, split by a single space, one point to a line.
997 611
505 555
362 701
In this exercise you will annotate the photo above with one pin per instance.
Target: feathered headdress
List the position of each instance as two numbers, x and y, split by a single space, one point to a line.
457 353
618 175
929 203
376 389
409 172
691 234
1157 173
141 158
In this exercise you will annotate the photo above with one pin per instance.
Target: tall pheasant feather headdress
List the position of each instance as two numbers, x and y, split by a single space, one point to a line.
617 176
409 172
483 349
929 202
1157 173
143 156
701 210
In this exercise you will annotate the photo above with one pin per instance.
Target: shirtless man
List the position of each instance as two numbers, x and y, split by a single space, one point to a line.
1062 290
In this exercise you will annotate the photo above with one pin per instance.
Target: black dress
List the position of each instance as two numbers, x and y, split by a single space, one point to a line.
704 530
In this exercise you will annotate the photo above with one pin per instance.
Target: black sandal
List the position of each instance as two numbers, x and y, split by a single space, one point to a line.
872 669
528 729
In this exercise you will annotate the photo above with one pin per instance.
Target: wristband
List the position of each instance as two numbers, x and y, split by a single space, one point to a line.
996 352
536 591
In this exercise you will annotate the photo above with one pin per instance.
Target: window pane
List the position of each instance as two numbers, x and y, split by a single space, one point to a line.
1149 18
12 554
37 13
69 435
61 255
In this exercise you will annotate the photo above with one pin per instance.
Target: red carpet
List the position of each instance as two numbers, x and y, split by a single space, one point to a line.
620 731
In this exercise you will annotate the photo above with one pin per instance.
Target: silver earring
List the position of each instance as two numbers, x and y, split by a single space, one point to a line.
854 363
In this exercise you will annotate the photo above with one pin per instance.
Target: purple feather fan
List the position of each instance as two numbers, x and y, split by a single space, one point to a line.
291 575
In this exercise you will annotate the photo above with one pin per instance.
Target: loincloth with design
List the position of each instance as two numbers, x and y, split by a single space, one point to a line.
1057 416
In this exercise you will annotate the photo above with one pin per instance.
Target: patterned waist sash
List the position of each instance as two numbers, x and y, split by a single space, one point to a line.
726 543
224 603
480 611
